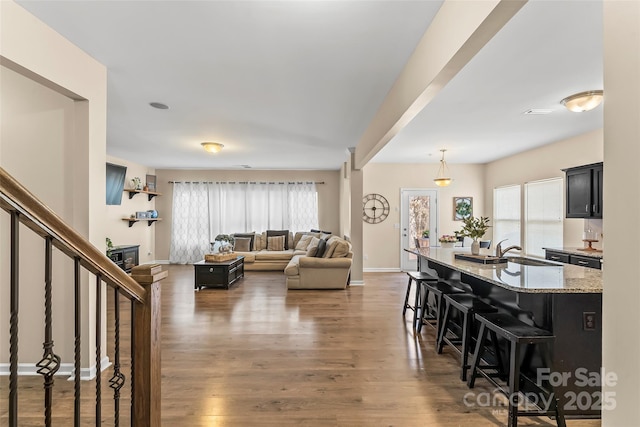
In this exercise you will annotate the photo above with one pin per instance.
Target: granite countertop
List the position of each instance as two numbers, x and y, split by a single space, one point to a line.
559 278
577 251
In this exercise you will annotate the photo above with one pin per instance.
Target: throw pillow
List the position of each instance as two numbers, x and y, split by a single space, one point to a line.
250 235
303 244
320 231
276 243
311 252
273 233
331 246
322 245
342 249
242 244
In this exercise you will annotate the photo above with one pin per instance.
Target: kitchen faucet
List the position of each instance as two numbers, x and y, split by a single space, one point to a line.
500 253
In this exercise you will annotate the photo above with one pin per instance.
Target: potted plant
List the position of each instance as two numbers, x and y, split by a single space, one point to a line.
447 240
475 228
425 234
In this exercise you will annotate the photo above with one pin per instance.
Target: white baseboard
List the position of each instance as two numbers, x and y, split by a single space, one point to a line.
381 270
161 261
356 283
66 369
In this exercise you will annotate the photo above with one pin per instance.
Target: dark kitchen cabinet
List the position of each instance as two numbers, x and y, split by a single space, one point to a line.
584 191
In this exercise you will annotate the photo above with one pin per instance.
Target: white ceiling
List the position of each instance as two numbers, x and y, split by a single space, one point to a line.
292 84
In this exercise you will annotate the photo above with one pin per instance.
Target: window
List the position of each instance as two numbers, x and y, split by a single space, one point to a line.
506 214
543 215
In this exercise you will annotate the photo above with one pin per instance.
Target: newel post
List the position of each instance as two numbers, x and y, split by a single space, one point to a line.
146 347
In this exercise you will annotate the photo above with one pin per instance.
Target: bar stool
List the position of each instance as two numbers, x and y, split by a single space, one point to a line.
467 305
419 277
517 333
437 289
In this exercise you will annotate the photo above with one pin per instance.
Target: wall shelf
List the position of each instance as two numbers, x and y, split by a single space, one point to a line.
150 194
134 220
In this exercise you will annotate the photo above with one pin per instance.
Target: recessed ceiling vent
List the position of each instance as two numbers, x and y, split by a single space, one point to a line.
538 111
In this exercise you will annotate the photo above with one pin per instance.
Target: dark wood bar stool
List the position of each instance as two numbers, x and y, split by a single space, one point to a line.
517 333
419 277
467 305
433 317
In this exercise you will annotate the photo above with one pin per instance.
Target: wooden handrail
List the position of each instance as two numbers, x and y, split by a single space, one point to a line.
43 221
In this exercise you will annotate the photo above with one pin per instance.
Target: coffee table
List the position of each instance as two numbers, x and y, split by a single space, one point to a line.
218 274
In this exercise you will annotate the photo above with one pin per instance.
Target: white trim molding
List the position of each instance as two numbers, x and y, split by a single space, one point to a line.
382 270
66 369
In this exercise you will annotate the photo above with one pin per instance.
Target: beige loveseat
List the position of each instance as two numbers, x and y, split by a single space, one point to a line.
302 269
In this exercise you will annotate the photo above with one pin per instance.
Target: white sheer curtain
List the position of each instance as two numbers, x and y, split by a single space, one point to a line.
303 206
190 229
201 211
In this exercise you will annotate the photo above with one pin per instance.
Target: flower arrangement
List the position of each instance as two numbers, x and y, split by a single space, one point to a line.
474 227
447 238
227 245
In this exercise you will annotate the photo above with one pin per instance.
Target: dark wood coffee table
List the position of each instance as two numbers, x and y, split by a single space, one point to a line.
218 274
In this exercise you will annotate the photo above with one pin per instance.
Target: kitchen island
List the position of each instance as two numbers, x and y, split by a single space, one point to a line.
564 299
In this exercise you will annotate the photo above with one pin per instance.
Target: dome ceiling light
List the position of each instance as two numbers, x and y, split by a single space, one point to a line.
583 101
212 147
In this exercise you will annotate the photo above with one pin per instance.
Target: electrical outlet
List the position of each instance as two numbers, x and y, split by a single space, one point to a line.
588 321
365 257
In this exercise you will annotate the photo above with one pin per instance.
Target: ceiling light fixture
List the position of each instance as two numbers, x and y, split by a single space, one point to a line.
583 101
443 179
212 147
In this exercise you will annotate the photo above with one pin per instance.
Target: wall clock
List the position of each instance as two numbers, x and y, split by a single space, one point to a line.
375 208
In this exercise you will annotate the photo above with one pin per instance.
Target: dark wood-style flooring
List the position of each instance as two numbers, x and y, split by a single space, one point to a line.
259 355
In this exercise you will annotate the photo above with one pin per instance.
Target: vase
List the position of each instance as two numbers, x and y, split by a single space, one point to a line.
475 248
446 244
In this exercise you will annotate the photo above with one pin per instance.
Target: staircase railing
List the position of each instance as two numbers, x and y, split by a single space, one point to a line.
143 293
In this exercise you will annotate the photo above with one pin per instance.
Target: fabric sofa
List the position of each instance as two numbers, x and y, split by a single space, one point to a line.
302 268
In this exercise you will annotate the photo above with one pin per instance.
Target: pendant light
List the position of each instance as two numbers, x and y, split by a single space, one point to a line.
443 179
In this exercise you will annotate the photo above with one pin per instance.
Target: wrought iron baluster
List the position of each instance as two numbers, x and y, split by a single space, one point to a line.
50 362
13 322
78 308
117 380
98 349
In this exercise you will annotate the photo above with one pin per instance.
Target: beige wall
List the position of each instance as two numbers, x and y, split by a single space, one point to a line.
381 242
53 140
542 163
140 233
621 323
328 195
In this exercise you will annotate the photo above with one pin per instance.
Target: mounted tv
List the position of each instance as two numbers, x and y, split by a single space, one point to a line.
115 183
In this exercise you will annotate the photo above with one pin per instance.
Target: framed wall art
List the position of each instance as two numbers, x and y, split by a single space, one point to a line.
462 208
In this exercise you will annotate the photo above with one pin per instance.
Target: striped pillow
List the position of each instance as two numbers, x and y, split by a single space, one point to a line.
275 243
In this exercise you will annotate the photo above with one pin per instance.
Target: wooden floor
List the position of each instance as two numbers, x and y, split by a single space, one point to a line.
258 354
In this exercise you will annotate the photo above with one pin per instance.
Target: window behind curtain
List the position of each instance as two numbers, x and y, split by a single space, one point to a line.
506 214
543 215
203 210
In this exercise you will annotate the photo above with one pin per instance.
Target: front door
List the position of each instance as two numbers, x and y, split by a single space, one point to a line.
419 213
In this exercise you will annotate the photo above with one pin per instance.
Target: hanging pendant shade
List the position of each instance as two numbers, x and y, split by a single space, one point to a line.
443 178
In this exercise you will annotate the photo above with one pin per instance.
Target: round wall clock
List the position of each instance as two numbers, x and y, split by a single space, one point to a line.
375 208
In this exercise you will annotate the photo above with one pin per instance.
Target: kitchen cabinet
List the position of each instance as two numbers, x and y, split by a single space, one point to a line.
584 191
569 258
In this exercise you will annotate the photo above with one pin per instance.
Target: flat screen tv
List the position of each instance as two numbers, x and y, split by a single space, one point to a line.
115 183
